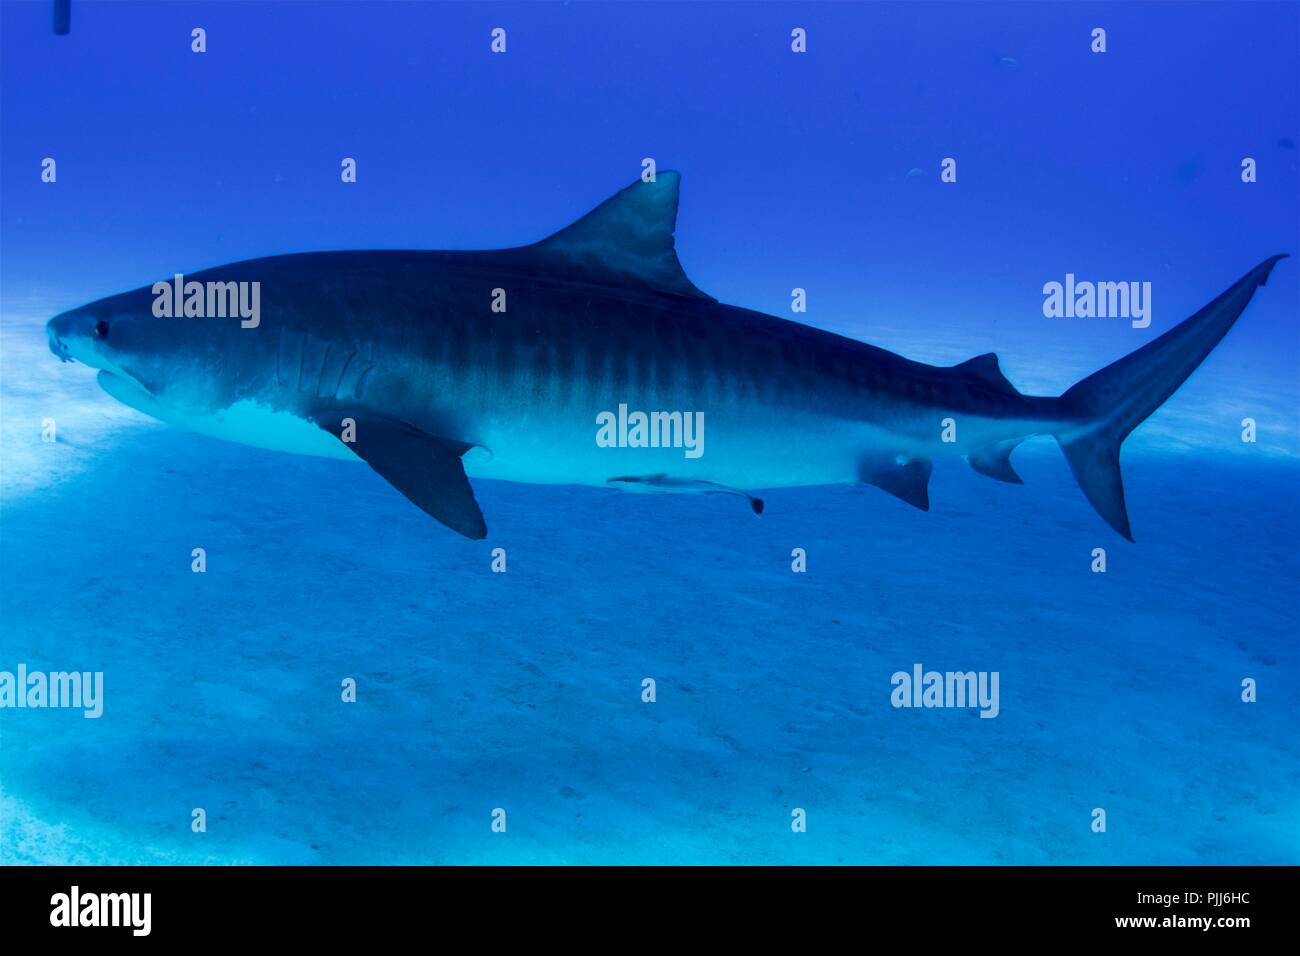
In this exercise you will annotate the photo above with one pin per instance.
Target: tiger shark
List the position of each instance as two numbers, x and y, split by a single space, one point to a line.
523 363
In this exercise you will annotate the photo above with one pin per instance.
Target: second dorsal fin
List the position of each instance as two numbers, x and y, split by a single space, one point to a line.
628 240
985 368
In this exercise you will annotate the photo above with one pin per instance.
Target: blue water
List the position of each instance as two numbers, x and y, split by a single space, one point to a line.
523 690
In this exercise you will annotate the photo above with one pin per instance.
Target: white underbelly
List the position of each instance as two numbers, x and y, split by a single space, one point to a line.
803 450
245 422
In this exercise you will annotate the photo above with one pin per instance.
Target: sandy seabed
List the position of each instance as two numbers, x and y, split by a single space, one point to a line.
523 690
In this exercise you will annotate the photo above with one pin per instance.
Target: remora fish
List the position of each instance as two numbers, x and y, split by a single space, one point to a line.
407 348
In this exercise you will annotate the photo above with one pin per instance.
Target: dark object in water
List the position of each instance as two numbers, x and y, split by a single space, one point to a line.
62 17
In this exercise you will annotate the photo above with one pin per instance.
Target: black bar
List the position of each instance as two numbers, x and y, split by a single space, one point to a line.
207 904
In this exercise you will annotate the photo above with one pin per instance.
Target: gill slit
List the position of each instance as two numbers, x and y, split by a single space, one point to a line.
339 383
320 379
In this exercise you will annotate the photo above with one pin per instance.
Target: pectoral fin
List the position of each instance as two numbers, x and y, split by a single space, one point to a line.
425 468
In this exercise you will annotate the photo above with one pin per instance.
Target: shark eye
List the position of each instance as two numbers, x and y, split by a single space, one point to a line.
101 329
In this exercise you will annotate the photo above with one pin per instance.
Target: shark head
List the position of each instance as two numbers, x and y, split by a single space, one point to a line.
219 376
143 360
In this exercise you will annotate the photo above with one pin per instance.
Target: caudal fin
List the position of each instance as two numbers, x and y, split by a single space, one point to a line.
1109 404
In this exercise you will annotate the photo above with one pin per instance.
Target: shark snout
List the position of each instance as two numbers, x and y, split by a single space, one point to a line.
55 331
76 335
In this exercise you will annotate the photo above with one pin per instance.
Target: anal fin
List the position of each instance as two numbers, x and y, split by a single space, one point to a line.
908 481
423 467
994 461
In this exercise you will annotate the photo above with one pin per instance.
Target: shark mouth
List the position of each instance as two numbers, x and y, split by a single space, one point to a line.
128 392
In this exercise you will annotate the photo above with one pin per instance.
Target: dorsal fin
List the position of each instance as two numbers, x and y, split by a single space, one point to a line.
628 240
985 368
